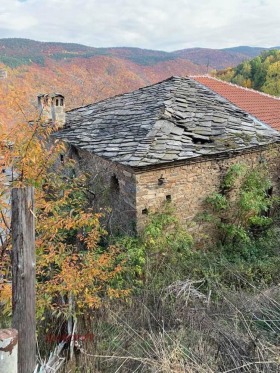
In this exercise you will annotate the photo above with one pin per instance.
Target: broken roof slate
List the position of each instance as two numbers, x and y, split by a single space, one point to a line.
172 120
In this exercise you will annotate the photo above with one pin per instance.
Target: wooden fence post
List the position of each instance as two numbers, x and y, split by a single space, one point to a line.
23 276
8 350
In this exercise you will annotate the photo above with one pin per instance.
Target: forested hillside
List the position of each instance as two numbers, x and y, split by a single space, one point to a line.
261 73
81 80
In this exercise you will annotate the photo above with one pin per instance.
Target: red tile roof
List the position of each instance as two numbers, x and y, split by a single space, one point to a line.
264 107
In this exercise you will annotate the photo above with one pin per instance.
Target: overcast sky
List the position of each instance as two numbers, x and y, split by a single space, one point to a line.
154 24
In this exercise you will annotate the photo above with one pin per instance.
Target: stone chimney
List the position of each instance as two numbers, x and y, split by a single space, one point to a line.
52 108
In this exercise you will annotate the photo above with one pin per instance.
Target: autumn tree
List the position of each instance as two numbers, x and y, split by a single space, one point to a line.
261 73
272 84
75 273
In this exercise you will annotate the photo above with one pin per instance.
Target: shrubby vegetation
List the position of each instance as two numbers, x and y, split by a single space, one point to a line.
75 273
261 73
215 309
190 310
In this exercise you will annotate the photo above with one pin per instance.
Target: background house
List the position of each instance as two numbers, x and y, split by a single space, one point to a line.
170 141
264 107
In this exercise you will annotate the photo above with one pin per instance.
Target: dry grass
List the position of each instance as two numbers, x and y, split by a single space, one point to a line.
180 329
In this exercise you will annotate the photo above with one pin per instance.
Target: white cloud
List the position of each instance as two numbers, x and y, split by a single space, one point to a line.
12 19
156 24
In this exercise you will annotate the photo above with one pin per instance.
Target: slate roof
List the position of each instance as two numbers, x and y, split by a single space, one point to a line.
263 106
170 121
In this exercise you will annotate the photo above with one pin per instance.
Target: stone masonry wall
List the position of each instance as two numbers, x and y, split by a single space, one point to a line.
188 185
131 194
114 190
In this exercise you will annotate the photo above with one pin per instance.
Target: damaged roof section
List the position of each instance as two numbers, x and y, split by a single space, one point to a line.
169 121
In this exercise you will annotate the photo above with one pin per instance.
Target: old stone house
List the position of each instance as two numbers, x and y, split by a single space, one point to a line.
172 141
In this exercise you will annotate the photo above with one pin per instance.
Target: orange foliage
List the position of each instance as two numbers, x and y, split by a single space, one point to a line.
72 268
81 81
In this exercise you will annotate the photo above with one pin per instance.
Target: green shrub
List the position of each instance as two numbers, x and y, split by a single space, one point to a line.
240 210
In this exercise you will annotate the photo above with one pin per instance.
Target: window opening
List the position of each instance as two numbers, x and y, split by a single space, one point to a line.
161 180
115 185
268 192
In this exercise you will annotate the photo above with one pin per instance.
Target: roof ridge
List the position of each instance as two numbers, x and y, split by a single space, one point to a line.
169 95
235 85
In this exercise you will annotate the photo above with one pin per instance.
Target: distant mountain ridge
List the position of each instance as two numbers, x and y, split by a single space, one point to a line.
16 51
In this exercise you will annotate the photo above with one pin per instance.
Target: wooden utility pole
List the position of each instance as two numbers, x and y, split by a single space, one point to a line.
23 273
